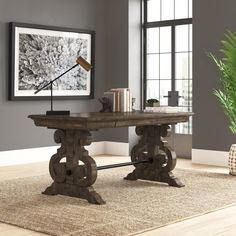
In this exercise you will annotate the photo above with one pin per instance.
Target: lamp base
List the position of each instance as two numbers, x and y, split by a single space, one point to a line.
58 113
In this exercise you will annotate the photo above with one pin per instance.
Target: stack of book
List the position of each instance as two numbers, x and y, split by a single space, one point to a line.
162 109
121 99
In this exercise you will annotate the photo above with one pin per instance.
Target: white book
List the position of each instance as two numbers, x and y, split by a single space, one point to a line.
130 101
123 98
162 109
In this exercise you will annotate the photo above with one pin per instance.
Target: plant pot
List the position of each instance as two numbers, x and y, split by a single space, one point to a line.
154 104
232 159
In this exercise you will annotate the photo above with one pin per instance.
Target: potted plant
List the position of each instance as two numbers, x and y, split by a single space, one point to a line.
227 95
152 102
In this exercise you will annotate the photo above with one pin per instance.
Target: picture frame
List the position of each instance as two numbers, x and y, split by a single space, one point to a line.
39 54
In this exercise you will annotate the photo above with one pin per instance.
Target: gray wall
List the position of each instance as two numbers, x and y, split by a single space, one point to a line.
116 56
124 56
117 64
211 18
16 130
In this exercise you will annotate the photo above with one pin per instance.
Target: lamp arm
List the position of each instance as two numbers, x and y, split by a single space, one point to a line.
51 82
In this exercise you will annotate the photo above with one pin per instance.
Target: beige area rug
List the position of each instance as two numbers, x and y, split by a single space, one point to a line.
132 206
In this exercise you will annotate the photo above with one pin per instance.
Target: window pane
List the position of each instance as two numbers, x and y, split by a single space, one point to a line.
190 95
186 109
165 66
190 125
190 38
153 40
165 86
190 7
153 10
182 36
182 86
153 66
181 65
181 9
190 65
165 39
167 9
184 128
153 89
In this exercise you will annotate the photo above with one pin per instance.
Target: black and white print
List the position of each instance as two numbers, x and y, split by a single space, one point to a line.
41 55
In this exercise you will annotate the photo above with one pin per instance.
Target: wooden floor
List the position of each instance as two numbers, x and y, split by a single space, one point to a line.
218 223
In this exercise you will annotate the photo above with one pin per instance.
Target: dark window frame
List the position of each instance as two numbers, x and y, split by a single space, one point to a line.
154 24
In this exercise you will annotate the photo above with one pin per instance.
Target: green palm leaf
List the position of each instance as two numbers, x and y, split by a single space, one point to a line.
227 69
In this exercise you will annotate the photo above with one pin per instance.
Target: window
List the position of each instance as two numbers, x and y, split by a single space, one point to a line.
168 54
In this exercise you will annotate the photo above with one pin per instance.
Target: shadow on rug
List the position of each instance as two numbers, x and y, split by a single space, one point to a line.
131 206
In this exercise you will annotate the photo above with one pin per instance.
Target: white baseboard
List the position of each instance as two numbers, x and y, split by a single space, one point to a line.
33 155
23 156
108 148
95 148
210 157
116 148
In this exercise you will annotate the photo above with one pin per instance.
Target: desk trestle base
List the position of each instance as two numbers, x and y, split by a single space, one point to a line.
75 175
152 147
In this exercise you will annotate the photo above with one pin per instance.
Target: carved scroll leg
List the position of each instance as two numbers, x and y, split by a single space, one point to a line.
51 190
87 193
164 159
131 176
138 153
168 178
95 198
171 180
71 178
167 165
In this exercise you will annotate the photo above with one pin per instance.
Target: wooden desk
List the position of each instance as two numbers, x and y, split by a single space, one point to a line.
72 178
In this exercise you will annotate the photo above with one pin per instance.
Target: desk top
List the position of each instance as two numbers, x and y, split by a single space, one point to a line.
97 120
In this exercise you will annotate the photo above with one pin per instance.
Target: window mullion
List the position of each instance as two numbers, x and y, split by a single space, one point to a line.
168 22
145 65
173 58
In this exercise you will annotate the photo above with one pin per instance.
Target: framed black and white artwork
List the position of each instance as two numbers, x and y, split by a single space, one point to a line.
39 54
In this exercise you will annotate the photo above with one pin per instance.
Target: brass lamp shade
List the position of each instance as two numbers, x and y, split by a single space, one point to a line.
82 62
